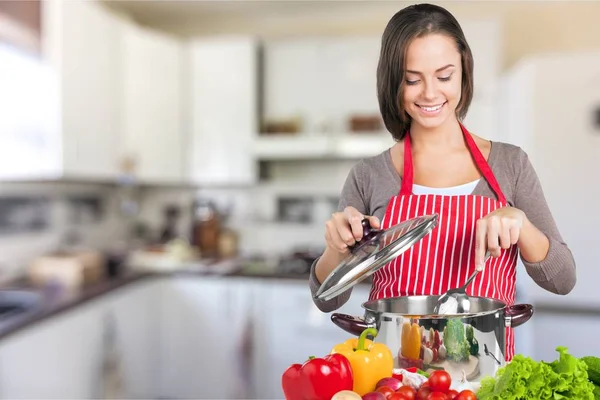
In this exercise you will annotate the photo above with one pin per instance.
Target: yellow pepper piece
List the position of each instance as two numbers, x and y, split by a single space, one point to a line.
411 341
370 361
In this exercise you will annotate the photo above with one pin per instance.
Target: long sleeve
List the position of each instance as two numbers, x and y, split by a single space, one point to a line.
352 195
557 272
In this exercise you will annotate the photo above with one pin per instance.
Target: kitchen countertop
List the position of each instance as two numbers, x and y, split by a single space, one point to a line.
53 304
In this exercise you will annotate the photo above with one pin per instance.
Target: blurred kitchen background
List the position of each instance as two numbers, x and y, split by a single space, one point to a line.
167 168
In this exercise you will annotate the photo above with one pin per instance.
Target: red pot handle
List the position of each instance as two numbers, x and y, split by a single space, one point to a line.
518 314
352 325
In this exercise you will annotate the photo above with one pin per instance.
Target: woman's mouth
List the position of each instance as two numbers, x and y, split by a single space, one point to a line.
431 109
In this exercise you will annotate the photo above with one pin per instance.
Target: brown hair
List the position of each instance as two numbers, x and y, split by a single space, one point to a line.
407 24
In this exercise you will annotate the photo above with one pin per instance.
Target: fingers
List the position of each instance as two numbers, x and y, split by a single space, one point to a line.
352 216
494 233
333 238
480 243
345 228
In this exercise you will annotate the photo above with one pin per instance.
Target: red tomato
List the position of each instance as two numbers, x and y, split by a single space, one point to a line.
423 393
451 394
437 396
386 391
439 381
466 395
400 396
408 392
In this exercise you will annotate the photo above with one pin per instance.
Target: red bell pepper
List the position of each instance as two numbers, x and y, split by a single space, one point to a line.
317 378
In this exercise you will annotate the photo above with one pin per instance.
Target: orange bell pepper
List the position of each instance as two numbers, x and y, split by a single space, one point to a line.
370 361
410 341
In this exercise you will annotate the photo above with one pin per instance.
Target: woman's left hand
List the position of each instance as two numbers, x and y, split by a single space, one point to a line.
498 230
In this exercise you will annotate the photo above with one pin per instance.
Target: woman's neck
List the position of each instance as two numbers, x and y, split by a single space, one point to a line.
444 137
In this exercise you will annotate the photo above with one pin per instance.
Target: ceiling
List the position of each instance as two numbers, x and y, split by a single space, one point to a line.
168 12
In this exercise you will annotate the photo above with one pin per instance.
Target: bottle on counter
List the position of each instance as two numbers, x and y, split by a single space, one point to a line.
206 229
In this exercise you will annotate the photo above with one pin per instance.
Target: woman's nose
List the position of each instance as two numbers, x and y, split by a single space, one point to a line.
429 90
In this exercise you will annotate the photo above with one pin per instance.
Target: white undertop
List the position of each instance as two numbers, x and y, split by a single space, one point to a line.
459 190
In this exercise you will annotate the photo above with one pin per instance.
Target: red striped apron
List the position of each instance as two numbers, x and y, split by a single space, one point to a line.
444 259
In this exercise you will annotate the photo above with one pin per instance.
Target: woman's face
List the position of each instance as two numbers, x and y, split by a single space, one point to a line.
433 80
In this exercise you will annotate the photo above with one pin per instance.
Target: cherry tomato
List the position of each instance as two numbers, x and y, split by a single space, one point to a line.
451 394
386 391
466 395
423 393
439 381
408 392
437 396
400 396
396 396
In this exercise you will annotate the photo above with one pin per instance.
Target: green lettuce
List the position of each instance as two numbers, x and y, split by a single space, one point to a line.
524 378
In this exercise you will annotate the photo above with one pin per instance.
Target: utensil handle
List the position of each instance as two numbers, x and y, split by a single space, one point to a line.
368 232
518 314
352 325
474 274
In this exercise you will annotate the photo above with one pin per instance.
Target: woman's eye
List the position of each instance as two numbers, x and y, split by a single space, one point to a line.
412 82
445 78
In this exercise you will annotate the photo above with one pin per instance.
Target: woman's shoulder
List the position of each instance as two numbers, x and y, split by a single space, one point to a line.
373 165
509 161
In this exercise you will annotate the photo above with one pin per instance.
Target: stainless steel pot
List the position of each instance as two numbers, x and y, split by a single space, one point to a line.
401 320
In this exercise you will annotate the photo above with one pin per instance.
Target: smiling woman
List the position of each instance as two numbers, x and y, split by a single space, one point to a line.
487 194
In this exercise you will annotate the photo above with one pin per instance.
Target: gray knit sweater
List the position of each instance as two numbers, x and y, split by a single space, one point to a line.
373 181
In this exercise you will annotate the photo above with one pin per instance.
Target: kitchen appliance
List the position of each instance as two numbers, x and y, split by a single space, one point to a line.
408 325
415 336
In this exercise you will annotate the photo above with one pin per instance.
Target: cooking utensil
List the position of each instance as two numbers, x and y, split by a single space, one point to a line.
394 318
456 301
373 251
487 353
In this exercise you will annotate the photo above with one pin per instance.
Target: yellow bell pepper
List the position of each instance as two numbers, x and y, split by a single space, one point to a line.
370 361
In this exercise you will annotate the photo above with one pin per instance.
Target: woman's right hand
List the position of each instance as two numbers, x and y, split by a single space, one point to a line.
344 229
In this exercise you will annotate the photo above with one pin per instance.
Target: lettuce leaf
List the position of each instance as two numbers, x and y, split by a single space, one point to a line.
524 378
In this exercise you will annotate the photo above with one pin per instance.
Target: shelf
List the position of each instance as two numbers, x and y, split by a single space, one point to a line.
320 146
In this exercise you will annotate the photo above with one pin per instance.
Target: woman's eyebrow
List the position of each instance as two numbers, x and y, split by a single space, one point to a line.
437 70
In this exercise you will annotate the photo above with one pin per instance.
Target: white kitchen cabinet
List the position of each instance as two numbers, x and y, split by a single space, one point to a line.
320 80
290 328
59 358
199 343
81 42
135 310
153 133
223 97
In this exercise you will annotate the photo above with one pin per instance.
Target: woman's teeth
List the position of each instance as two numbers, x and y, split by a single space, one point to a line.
432 109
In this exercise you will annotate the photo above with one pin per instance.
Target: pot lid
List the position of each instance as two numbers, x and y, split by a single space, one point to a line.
373 251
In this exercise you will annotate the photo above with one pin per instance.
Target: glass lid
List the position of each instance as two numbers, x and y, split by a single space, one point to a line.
373 251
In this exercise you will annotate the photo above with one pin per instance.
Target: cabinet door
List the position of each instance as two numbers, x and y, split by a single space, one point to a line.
223 73
153 132
136 315
289 328
89 71
56 359
198 357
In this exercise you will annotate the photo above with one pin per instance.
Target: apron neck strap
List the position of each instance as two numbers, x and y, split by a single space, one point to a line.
482 165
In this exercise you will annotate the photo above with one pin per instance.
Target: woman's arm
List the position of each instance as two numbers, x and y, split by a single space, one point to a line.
351 196
545 255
